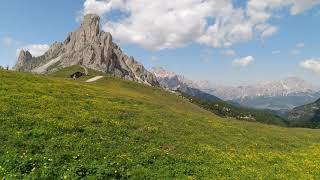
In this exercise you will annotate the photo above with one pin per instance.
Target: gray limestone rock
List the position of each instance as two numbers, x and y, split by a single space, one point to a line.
24 58
90 47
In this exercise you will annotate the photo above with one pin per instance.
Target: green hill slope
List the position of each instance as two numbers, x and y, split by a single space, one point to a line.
56 128
224 109
306 116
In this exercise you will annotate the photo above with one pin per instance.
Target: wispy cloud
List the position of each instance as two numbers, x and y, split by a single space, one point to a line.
229 52
35 49
312 65
297 49
269 31
243 62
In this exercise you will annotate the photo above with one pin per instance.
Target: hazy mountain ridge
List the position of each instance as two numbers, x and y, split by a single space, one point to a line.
178 83
171 80
280 95
287 87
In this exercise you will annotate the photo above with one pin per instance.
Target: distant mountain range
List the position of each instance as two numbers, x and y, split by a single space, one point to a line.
281 95
171 80
286 87
190 90
178 83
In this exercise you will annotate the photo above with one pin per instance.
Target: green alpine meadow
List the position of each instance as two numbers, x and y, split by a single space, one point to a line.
53 127
160 90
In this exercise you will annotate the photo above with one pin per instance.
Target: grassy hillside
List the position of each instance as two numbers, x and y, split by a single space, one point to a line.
224 109
307 115
54 128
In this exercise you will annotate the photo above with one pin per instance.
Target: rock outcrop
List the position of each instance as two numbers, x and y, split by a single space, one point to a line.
90 47
24 58
171 80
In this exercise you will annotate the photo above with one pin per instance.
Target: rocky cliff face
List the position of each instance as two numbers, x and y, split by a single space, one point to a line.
177 83
24 58
171 80
93 48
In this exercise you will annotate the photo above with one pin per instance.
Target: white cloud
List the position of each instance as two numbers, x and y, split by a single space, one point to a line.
163 24
97 7
297 48
35 49
300 45
302 5
260 11
312 65
269 32
275 52
229 52
171 24
243 62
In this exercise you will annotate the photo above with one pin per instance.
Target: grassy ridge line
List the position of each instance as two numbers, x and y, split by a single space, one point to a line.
53 127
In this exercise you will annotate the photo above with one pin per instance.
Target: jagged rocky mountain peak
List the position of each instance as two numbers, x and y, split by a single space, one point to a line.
288 85
93 48
171 80
161 72
23 58
91 24
25 55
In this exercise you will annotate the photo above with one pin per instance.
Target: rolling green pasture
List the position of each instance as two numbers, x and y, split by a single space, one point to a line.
56 128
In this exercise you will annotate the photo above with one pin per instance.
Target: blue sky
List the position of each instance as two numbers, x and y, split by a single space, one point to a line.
284 43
